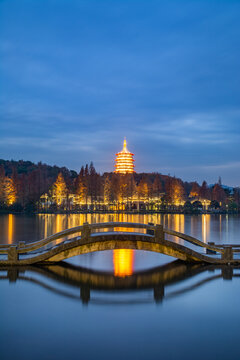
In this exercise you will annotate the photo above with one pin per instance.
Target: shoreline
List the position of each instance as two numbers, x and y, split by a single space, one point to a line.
217 212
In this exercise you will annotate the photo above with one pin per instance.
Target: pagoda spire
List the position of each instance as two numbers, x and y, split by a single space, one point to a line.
125 145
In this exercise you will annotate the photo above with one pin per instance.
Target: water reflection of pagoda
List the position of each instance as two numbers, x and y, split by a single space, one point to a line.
124 161
123 261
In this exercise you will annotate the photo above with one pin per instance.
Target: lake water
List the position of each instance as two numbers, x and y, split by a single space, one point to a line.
123 303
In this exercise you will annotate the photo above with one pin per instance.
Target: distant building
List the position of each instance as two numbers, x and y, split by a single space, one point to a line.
124 161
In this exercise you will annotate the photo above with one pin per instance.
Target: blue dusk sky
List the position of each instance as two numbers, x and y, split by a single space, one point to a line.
77 76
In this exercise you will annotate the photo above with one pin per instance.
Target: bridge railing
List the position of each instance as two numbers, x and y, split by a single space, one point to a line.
22 247
151 229
194 241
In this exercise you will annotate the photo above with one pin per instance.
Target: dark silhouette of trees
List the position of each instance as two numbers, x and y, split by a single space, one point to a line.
197 205
236 197
188 207
214 204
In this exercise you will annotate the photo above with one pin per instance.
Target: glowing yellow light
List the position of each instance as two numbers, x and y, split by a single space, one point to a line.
178 225
10 228
59 189
205 227
123 262
124 161
59 226
45 225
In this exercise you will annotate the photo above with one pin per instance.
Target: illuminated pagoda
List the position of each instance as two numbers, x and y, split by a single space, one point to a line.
124 161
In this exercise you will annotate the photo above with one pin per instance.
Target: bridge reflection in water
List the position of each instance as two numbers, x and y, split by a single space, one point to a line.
98 287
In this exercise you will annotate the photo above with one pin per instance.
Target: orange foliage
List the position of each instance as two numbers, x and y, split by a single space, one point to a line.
59 189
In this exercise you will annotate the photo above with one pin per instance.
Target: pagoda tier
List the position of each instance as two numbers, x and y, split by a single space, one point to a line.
124 161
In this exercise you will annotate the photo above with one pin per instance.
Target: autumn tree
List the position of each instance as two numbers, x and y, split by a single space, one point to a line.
81 185
81 188
107 190
131 187
115 178
204 192
122 188
175 193
218 194
86 171
10 192
195 190
59 189
92 180
2 185
143 189
157 187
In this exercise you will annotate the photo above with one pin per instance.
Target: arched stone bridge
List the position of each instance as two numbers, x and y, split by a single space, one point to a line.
108 236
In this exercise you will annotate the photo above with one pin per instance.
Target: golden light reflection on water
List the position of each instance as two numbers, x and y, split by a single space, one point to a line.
175 222
227 229
205 227
123 262
178 224
10 228
220 226
15 228
58 227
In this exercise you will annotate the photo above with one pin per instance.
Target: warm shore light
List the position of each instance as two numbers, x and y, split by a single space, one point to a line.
10 228
124 161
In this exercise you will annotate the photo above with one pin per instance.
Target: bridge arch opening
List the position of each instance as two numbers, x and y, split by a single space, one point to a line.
121 262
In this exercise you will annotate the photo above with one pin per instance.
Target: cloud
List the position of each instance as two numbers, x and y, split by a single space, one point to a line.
235 165
206 129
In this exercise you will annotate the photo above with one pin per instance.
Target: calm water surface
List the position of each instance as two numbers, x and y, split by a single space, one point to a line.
120 304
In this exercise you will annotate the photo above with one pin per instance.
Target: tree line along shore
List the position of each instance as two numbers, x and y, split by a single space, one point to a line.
32 188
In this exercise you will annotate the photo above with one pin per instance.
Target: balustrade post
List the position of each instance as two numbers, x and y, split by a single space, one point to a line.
86 232
13 254
159 234
227 253
150 231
